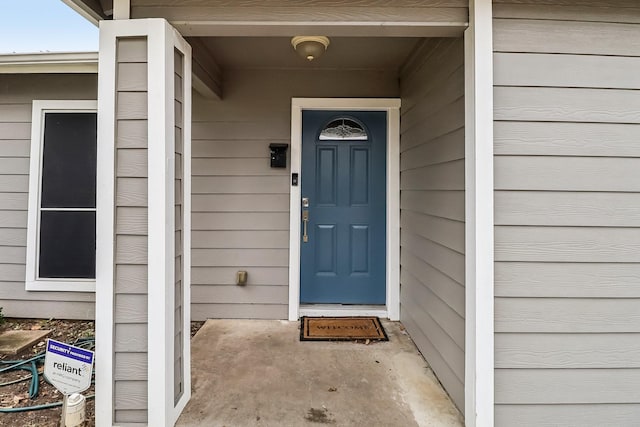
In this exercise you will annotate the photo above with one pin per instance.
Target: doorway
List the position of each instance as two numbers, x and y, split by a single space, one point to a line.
344 242
343 207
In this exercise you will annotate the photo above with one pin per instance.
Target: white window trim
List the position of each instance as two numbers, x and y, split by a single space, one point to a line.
32 282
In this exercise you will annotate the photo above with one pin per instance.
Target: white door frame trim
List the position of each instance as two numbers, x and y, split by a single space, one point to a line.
392 107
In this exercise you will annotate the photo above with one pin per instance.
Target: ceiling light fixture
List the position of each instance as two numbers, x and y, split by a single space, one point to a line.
310 47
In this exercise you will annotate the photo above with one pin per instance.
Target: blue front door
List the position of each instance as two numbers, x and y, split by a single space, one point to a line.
343 224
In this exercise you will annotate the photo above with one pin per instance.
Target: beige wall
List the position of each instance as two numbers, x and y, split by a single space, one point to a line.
432 208
16 95
240 205
567 213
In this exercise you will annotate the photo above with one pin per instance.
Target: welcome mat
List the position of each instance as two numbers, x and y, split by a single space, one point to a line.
342 329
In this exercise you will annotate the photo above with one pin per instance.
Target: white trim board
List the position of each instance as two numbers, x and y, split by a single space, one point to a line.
105 227
392 107
479 220
331 310
121 9
58 62
32 282
181 45
162 410
160 266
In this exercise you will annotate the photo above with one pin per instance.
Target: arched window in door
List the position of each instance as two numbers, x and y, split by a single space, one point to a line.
344 129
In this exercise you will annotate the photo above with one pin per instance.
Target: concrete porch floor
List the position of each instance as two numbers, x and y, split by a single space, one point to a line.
258 373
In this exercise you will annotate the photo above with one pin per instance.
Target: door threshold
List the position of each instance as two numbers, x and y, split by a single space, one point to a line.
340 310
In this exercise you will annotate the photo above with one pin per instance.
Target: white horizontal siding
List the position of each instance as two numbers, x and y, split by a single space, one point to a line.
567 386
239 311
583 11
566 139
567 244
231 294
566 211
240 211
567 105
539 279
567 315
227 276
16 95
240 258
131 243
568 71
567 208
240 202
446 260
444 204
604 174
568 351
584 415
432 208
249 239
577 37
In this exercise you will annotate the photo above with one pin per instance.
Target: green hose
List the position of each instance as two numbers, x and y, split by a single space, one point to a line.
38 407
16 363
33 387
32 368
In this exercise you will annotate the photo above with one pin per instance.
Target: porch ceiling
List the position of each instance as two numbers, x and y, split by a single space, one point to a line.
343 53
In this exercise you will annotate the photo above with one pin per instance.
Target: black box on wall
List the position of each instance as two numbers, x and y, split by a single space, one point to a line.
278 155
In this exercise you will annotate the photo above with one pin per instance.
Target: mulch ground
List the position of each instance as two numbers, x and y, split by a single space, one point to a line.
17 395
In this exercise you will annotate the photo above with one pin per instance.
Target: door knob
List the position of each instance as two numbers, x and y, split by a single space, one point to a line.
305 222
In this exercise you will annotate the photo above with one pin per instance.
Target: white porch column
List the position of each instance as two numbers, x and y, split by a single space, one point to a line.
479 301
143 244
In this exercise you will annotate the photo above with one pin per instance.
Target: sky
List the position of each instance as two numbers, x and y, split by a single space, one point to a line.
28 26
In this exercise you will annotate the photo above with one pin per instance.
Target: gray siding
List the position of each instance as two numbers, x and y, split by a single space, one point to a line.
130 296
178 332
432 208
17 93
240 206
567 213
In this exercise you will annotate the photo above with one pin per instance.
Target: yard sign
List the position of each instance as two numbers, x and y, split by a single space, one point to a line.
67 367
